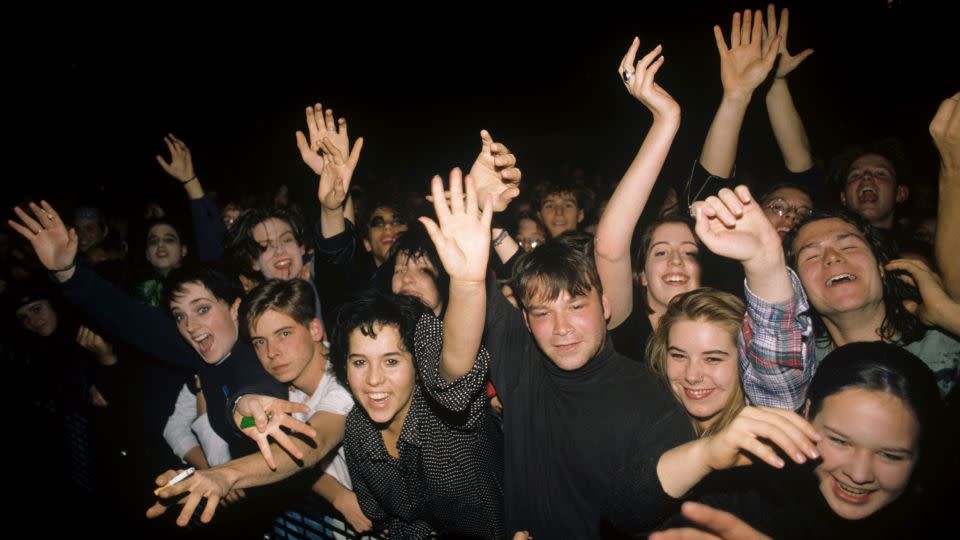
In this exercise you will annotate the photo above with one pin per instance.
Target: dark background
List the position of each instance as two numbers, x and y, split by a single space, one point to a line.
92 93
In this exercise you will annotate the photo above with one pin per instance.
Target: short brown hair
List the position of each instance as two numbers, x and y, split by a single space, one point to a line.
564 263
293 298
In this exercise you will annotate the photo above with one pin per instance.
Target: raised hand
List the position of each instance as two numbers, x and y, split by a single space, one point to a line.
55 246
937 308
743 66
495 173
463 236
756 432
320 125
180 165
788 62
269 415
732 224
336 174
945 130
639 79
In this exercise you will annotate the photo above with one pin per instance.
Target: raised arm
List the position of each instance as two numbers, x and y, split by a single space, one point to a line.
462 239
615 230
945 130
784 119
329 156
743 68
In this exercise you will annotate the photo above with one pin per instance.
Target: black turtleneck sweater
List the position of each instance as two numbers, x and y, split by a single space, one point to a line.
567 434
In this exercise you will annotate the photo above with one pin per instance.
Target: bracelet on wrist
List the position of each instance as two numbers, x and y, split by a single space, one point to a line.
191 179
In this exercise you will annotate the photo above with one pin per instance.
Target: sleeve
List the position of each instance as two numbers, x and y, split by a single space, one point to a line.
776 349
506 339
338 277
813 181
336 399
460 395
208 229
146 328
177 431
701 184
214 447
371 508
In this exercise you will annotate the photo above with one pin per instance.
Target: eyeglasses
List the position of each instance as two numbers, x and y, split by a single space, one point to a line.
529 245
378 222
780 208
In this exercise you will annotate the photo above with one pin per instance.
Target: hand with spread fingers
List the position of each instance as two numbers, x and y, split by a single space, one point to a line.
55 246
180 165
270 415
638 76
788 62
743 66
717 525
757 432
336 174
212 484
936 308
320 126
495 173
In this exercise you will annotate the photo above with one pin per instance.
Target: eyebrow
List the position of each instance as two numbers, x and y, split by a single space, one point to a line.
886 449
201 299
837 238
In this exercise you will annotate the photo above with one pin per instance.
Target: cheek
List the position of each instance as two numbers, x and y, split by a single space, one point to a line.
354 377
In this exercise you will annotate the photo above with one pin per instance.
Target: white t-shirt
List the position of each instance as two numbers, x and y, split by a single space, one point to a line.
333 398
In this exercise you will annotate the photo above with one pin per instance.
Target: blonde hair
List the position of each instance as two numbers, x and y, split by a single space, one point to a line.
706 305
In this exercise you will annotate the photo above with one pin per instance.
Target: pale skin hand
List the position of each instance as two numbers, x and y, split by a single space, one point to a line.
212 485
344 500
754 433
320 125
55 246
180 165
743 66
788 62
495 173
732 224
279 411
937 308
719 525
945 130
336 174
92 342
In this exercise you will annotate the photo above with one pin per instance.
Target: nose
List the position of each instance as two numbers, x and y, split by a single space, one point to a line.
831 256
374 375
860 467
272 352
675 258
693 372
561 324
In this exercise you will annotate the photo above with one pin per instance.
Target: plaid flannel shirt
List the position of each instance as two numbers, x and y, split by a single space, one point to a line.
776 349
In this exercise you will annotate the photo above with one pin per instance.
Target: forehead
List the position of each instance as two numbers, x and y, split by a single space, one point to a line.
190 291
387 340
162 229
86 223
873 418
791 195
271 320
419 261
271 228
384 212
562 196
823 230
528 225
700 335
538 294
871 160
673 233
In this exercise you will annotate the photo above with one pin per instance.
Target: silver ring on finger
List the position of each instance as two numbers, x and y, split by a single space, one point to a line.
627 76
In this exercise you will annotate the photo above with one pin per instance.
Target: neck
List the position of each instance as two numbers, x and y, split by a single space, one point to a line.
853 326
312 374
658 311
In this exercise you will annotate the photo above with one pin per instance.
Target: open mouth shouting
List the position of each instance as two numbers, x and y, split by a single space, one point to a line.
839 279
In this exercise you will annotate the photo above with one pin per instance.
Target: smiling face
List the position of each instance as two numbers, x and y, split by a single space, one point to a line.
208 324
289 350
792 203
381 375
871 190
164 250
569 329
869 450
281 256
672 266
702 368
38 317
838 269
560 213
416 276
383 229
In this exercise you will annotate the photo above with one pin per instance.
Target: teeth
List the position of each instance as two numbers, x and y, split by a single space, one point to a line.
698 393
378 395
866 189
839 278
202 337
283 264
851 490
676 279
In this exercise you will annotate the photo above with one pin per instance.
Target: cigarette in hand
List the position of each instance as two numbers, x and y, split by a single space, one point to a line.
176 480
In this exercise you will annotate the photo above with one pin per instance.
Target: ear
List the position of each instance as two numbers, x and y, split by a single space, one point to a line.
843 198
183 251
367 245
580 216
235 310
526 321
254 265
806 410
643 279
316 330
903 193
606 307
